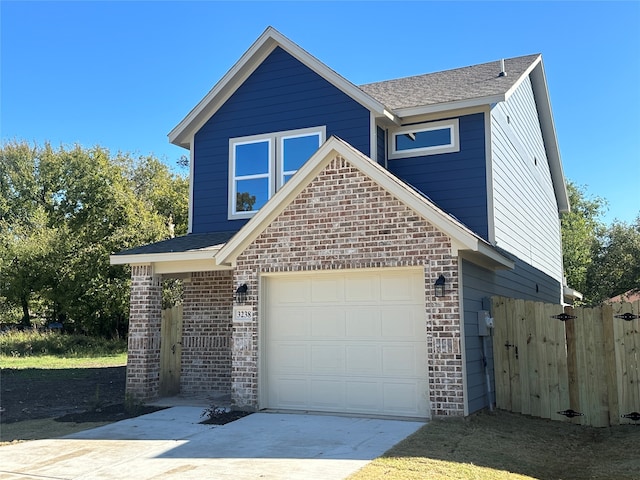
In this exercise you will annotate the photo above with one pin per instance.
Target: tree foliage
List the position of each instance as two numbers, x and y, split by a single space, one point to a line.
600 260
62 213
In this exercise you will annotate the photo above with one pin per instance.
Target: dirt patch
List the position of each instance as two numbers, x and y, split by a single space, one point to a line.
39 393
225 417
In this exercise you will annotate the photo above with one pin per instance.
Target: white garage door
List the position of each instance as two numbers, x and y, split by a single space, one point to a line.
352 342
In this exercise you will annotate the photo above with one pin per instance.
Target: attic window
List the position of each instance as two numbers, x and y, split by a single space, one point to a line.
425 139
259 165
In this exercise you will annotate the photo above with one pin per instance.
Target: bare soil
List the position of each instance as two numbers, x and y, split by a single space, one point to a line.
41 393
78 395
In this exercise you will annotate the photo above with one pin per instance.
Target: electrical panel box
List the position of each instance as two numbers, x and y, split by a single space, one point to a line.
485 323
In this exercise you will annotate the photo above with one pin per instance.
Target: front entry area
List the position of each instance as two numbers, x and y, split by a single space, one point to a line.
349 341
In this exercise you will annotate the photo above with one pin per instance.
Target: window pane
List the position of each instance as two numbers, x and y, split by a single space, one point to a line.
287 178
429 138
252 158
298 150
251 194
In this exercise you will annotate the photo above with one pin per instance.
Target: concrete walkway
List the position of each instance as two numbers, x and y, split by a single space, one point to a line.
172 444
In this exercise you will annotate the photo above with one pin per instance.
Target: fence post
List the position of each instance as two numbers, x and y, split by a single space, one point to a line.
572 361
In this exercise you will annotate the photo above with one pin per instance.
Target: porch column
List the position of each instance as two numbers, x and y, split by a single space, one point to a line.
145 320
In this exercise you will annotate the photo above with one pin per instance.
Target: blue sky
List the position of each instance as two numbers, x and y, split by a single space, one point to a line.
123 74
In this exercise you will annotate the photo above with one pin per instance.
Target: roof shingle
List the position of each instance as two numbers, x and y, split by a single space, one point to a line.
450 85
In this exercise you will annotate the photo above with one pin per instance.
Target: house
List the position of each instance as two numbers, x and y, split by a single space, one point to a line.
344 240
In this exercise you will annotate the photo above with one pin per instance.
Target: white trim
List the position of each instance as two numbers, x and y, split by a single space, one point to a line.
275 174
448 106
463 346
488 147
452 125
373 138
191 169
202 254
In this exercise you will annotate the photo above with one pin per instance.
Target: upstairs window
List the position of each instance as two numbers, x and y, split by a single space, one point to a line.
261 164
425 139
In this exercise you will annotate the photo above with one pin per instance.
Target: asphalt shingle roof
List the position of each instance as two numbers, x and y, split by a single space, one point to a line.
449 85
192 241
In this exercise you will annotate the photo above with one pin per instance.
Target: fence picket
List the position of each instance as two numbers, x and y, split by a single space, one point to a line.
589 364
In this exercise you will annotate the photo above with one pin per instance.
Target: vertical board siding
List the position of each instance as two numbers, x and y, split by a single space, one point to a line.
479 284
281 94
456 182
381 146
525 208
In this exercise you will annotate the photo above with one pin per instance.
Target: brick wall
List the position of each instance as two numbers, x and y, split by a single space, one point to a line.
206 337
145 319
345 220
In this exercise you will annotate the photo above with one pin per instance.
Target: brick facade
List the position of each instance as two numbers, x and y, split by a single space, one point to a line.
344 220
145 319
206 334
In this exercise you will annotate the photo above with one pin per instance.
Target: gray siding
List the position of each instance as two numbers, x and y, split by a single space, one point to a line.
526 216
524 282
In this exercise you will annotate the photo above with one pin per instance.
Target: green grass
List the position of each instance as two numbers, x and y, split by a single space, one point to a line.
54 362
502 446
34 343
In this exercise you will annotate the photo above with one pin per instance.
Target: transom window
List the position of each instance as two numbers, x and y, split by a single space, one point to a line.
425 139
261 164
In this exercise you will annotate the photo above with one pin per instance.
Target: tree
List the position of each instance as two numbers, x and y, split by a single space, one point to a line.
63 212
616 265
581 233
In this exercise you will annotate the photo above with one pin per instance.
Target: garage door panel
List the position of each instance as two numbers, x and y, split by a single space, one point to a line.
402 322
327 359
327 394
290 359
402 360
363 396
400 287
357 346
327 323
327 289
362 288
290 323
363 360
291 392
290 291
400 398
363 323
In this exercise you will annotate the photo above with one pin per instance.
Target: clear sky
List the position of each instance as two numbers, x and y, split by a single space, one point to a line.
122 74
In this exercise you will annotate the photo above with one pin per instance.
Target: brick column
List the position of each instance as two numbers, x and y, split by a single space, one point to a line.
145 320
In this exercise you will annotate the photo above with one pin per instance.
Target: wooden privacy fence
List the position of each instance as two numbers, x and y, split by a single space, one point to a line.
550 359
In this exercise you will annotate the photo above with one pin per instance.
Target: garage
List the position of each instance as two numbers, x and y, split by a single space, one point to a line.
349 341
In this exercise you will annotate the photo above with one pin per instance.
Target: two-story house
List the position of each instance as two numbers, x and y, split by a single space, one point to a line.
344 239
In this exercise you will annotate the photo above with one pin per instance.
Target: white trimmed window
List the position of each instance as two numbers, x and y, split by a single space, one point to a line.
425 139
260 165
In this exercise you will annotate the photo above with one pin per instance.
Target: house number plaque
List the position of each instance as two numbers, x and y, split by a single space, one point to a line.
242 314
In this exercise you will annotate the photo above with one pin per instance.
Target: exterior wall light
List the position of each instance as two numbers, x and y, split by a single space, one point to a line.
241 293
439 286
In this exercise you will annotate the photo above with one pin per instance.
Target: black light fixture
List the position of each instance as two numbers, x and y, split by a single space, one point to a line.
241 293
439 286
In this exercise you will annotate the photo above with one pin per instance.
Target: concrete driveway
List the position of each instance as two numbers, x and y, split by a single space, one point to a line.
172 444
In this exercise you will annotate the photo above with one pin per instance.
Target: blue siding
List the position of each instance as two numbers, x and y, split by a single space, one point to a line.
281 94
381 146
523 282
456 182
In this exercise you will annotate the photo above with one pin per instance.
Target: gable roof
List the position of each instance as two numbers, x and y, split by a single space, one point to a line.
463 240
482 83
394 99
267 42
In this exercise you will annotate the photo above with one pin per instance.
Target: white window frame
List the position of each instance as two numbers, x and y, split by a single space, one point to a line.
275 173
453 146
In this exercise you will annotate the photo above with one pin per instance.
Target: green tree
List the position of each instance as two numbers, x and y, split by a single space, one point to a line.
616 265
582 229
63 212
